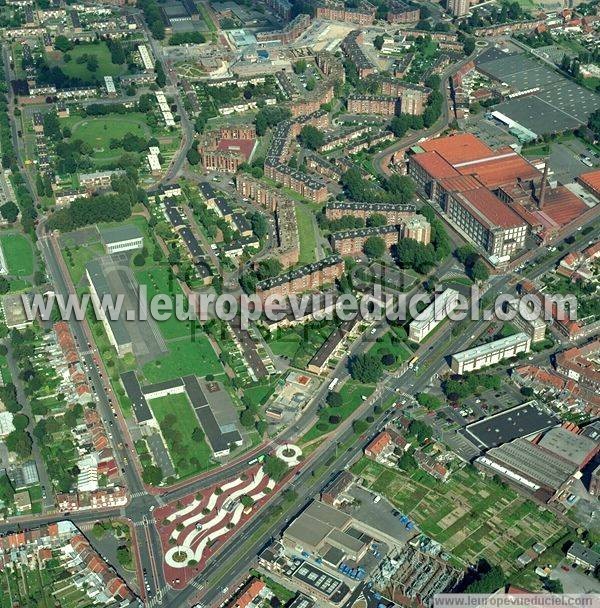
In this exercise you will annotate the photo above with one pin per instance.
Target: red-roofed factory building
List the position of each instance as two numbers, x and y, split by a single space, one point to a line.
494 197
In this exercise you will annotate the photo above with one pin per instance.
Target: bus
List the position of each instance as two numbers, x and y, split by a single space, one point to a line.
333 384
413 362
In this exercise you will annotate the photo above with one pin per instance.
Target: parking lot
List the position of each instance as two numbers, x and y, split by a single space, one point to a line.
565 160
574 580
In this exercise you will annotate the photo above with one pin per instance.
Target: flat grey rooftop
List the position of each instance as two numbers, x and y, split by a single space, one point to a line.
520 421
116 234
559 104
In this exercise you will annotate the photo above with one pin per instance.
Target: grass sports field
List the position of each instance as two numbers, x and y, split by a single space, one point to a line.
184 437
18 254
79 70
471 516
99 131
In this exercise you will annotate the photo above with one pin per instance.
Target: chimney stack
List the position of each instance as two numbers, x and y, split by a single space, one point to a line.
543 185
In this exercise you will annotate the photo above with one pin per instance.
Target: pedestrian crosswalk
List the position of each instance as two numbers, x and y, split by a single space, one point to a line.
158 599
139 493
141 524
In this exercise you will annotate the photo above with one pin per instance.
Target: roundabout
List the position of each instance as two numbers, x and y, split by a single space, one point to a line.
289 453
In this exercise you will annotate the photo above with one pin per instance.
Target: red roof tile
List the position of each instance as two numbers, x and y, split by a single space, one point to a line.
249 593
459 148
244 146
459 183
492 208
563 206
500 168
591 179
435 165
378 444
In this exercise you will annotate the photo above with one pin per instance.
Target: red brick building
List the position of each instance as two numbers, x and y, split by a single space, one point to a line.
306 278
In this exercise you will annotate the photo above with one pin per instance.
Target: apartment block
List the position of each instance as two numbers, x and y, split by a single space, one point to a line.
65 197
306 278
418 229
491 353
287 250
305 185
292 31
397 88
373 104
146 57
533 327
351 48
458 8
394 214
400 12
363 14
100 180
433 315
282 8
352 242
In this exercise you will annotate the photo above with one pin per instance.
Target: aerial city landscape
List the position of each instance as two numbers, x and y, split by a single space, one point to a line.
299 302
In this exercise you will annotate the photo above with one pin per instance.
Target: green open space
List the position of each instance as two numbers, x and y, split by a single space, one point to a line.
18 254
98 131
182 433
391 344
307 234
206 17
80 70
160 280
259 394
353 393
185 357
471 516
301 342
78 257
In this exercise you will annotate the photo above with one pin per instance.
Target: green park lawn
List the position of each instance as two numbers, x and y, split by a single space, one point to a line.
189 455
98 132
392 346
18 254
300 343
306 232
79 70
352 394
185 357
260 393
77 258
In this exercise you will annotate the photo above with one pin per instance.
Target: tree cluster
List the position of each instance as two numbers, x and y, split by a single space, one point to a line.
86 211
399 125
187 38
311 137
460 387
475 267
274 467
492 579
374 247
365 368
346 222
269 116
153 17
398 189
